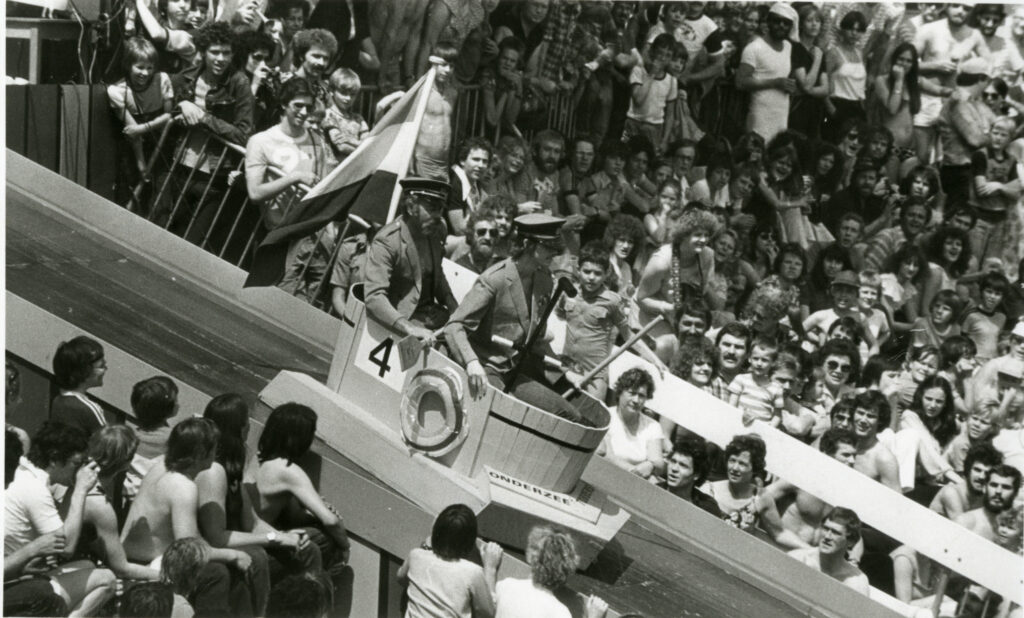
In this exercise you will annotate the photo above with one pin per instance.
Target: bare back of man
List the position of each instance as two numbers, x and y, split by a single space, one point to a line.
151 524
804 516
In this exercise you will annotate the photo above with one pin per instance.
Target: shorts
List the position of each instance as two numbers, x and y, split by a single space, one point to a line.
928 115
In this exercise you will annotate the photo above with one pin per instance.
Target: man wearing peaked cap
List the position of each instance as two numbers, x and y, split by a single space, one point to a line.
405 287
507 301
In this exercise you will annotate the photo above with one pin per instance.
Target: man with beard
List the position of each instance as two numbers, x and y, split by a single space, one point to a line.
688 468
406 289
839 532
1001 486
733 342
871 414
914 216
548 149
805 514
481 236
941 46
858 197
954 499
765 73
1006 59
467 193
507 301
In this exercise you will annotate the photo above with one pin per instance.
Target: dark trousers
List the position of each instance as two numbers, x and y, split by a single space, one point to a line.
533 387
33 597
956 184
221 590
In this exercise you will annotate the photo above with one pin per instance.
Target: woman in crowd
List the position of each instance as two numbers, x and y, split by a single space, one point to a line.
226 514
512 177
738 275
949 257
830 261
677 270
925 429
896 98
739 494
762 248
551 555
444 577
847 75
634 440
625 236
807 107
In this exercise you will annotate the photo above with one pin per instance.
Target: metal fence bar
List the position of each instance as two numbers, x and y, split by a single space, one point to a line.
206 191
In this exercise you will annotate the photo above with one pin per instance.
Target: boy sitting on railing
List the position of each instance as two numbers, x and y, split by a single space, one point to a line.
344 126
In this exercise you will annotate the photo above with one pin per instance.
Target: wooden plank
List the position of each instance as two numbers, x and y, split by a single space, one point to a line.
17 118
43 125
74 142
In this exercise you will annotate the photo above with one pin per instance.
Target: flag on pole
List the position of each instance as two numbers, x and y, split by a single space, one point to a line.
364 186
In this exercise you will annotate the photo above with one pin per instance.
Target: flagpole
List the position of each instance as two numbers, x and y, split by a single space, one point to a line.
421 111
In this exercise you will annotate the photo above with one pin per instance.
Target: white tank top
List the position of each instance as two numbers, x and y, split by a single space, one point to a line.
850 80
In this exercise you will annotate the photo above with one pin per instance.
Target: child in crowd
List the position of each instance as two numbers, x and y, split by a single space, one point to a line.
656 221
998 189
594 319
154 401
603 193
344 126
875 321
685 127
754 393
143 99
845 288
957 363
790 267
983 323
921 363
812 397
980 426
652 90
902 281
940 323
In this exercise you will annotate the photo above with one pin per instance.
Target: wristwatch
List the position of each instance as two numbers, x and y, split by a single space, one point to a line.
272 538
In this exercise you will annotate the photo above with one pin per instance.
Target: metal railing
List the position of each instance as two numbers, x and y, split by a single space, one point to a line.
194 186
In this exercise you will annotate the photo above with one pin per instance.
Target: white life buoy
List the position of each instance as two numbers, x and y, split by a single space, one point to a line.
434 391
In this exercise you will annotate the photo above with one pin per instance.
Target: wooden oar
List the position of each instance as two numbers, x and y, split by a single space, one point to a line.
617 352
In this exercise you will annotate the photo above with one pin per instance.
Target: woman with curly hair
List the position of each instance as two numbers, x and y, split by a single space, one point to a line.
634 439
683 268
552 557
511 176
624 237
761 248
739 495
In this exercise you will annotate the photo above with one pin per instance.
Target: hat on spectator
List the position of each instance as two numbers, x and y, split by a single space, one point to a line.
847 278
974 66
539 226
1018 329
426 187
783 10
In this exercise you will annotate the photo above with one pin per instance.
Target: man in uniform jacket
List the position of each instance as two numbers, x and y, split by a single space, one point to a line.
507 300
405 287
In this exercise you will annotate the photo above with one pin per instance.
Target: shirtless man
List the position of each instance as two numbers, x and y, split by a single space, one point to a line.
840 531
166 510
805 514
430 159
874 459
955 499
1001 486
941 46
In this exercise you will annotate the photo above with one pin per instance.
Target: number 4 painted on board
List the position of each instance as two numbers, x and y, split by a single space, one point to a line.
379 356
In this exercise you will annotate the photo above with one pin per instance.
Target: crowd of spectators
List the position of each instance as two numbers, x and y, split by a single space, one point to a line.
819 203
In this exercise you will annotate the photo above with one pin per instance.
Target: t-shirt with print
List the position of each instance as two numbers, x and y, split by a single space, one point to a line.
663 90
273 148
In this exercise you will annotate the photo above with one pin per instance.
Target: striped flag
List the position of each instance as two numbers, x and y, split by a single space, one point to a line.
364 186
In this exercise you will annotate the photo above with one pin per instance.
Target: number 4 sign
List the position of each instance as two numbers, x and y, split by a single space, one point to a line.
377 356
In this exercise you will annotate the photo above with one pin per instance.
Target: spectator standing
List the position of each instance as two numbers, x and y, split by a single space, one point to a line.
807 106
343 125
652 92
847 76
998 190
764 72
441 578
896 99
984 322
172 32
78 365
965 119
258 48
434 141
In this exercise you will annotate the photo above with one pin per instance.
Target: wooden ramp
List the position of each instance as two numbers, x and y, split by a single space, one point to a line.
78 264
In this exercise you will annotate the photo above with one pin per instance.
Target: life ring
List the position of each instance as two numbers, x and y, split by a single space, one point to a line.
434 390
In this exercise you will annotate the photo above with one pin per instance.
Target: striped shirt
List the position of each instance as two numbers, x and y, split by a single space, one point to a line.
754 398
